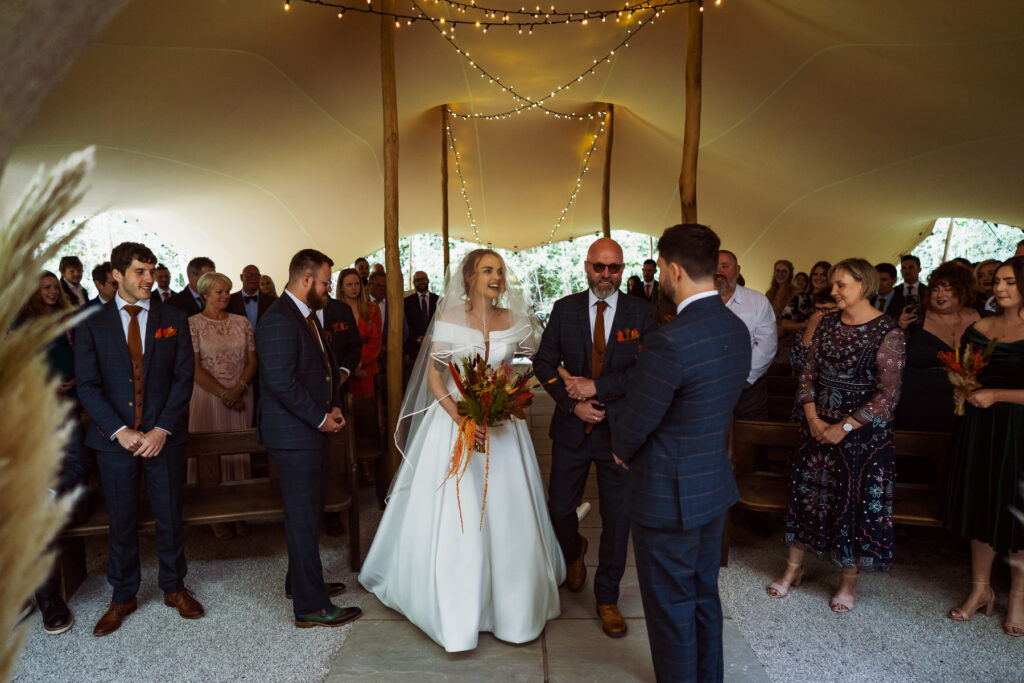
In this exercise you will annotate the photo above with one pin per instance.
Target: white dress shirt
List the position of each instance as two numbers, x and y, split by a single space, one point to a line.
756 312
910 290
609 312
78 291
126 319
696 297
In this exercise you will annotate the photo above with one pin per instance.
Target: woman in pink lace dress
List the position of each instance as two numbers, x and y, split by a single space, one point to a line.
225 367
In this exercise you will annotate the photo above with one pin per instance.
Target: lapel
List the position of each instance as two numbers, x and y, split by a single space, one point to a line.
309 332
148 344
618 322
122 342
587 336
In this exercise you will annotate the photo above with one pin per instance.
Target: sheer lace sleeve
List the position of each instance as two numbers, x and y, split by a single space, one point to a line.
889 362
808 378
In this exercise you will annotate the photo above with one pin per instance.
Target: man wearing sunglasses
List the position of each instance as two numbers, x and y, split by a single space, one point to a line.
590 337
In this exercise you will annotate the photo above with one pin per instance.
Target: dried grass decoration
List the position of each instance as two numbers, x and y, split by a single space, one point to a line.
34 425
490 396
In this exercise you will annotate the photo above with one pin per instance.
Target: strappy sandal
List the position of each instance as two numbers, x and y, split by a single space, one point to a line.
1015 630
841 604
961 614
776 590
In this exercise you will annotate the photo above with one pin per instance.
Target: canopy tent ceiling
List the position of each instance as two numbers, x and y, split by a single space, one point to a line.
833 128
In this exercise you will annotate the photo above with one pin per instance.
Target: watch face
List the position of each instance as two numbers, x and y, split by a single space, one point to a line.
847 427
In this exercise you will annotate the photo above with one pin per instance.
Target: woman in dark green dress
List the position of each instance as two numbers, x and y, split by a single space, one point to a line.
987 461
926 399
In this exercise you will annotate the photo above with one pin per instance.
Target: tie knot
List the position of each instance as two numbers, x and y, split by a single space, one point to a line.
601 305
247 298
133 311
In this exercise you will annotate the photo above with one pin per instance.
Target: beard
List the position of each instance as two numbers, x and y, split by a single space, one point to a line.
314 301
602 286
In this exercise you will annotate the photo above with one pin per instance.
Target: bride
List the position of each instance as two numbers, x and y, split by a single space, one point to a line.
501 574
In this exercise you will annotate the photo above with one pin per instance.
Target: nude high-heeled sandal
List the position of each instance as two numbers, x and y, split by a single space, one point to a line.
1015 630
776 590
961 614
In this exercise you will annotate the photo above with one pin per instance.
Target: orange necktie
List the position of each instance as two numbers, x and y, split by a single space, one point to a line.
597 350
135 351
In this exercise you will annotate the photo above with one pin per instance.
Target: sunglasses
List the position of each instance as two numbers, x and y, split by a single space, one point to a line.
612 268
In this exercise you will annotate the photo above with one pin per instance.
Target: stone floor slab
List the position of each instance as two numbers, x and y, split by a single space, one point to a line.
582 605
397 651
580 651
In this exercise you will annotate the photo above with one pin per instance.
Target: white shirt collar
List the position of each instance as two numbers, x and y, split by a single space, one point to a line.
700 295
612 299
121 303
303 306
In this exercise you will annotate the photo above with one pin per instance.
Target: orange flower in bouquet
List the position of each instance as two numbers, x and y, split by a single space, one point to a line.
963 370
490 396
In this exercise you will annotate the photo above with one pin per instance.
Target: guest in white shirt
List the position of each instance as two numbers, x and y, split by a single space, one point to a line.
756 312
162 290
71 279
910 269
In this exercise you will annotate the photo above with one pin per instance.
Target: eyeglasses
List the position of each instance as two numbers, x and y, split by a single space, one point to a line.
612 268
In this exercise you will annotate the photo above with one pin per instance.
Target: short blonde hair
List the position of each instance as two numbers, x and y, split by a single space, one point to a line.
860 270
205 283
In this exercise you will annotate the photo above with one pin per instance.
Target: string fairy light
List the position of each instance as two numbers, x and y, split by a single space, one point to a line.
579 183
502 18
452 142
527 103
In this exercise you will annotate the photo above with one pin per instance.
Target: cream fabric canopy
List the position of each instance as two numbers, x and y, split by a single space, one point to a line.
830 127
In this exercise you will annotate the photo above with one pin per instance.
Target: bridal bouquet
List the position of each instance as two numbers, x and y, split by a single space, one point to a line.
490 396
963 370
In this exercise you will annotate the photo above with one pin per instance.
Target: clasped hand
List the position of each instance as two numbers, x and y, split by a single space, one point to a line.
142 444
580 388
823 432
589 411
334 421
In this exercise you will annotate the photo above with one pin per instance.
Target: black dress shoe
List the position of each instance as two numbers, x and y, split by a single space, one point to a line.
334 588
57 618
336 616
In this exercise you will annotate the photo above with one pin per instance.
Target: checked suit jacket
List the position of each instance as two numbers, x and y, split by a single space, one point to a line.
296 389
342 334
103 374
673 424
567 341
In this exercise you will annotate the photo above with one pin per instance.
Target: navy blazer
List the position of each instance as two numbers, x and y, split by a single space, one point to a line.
295 387
417 323
103 374
672 426
184 302
567 341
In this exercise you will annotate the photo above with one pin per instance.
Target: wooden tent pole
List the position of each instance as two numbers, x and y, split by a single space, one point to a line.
691 130
949 236
606 219
391 253
444 184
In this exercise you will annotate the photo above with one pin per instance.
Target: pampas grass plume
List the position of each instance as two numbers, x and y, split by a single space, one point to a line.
34 424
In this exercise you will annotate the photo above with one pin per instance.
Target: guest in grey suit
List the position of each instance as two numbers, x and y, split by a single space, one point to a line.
670 430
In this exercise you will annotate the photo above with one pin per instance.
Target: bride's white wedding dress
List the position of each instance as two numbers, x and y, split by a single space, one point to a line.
453 583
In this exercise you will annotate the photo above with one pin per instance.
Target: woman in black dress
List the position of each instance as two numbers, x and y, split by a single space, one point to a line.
841 487
926 401
987 455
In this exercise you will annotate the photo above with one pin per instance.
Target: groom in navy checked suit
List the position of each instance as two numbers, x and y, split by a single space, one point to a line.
300 404
670 431
134 368
591 335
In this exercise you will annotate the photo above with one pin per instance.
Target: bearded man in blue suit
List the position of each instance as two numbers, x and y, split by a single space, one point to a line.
670 431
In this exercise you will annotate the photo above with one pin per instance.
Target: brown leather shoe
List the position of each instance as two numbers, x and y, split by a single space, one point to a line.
111 619
576 571
611 620
188 606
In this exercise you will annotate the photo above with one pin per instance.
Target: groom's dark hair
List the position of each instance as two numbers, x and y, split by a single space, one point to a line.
693 247
307 261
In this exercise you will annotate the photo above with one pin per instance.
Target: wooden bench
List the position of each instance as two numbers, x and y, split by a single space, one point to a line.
759 452
208 501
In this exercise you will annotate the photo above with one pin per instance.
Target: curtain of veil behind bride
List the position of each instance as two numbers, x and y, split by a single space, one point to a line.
500 575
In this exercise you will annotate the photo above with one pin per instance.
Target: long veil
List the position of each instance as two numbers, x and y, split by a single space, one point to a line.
452 310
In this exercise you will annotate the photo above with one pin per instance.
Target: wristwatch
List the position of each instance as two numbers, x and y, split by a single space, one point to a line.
847 427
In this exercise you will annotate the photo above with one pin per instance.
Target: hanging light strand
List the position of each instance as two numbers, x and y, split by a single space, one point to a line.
452 145
497 18
579 183
525 103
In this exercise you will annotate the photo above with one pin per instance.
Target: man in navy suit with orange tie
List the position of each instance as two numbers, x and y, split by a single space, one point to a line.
670 431
134 367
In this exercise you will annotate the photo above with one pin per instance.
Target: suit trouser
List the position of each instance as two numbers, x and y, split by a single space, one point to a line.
678 572
165 473
753 401
569 470
302 475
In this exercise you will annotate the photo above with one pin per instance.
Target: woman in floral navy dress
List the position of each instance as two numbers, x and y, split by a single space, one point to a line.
841 491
